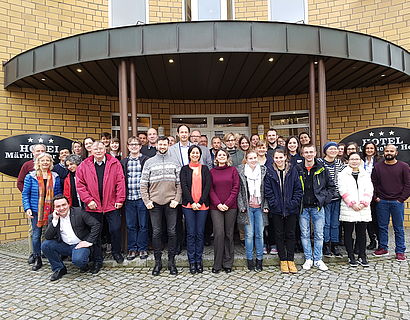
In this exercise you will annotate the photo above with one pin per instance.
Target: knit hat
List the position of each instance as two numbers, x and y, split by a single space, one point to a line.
328 145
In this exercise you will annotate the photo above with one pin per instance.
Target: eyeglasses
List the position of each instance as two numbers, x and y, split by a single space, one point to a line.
230 140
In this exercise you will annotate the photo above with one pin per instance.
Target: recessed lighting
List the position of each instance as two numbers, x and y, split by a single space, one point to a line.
221 59
43 79
79 70
316 62
171 60
270 59
382 75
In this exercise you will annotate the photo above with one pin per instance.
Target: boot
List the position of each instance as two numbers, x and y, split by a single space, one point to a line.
157 268
336 250
372 245
292 267
172 267
284 267
251 265
326 249
192 268
258 266
38 263
199 267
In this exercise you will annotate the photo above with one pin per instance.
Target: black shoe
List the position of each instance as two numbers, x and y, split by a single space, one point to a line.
143 255
243 243
228 270
336 250
207 243
216 270
31 258
372 245
38 263
363 262
172 267
58 274
118 257
192 268
131 255
95 268
85 269
326 249
352 262
157 268
199 267
250 264
258 265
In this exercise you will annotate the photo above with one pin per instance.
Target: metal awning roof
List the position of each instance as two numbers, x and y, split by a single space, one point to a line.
352 60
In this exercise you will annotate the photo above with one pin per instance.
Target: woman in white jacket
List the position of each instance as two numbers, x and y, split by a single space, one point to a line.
356 190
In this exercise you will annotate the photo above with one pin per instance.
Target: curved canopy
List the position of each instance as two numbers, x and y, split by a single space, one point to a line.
210 60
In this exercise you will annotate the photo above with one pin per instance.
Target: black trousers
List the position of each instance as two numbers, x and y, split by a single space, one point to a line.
156 214
373 226
269 234
360 230
285 228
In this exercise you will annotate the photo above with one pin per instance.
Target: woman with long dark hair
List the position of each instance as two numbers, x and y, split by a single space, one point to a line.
292 149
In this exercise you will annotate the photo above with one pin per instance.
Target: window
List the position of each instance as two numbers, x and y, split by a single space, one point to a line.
288 11
197 10
290 123
128 12
143 124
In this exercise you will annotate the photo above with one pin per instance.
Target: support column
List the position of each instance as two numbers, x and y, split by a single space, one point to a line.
133 88
123 103
322 103
312 100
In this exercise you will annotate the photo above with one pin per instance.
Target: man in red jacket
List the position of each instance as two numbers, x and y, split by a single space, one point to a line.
101 186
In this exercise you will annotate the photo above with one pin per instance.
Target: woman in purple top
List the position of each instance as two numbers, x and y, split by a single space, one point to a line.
223 195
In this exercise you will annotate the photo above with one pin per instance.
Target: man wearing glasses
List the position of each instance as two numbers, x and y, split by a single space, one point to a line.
135 210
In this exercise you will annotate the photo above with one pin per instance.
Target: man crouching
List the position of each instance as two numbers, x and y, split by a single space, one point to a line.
70 232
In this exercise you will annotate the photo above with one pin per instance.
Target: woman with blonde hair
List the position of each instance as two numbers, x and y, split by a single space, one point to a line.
235 154
40 186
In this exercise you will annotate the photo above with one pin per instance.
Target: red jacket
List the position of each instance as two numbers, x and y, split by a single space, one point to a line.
114 184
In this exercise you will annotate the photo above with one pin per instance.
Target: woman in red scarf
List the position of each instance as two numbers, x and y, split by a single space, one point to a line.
195 184
40 186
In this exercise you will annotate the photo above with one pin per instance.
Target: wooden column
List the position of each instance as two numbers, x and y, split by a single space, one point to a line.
123 103
133 88
312 101
322 103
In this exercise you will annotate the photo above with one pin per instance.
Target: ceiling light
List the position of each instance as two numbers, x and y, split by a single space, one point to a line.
79 70
270 59
382 75
221 59
316 62
171 60
43 79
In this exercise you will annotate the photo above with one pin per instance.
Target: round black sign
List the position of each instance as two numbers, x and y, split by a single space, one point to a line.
382 136
16 150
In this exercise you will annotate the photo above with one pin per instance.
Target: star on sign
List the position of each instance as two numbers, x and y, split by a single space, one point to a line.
391 132
381 133
40 140
50 140
371 134
30 139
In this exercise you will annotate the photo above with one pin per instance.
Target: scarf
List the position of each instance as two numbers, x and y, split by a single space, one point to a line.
254 180
196 189
45 197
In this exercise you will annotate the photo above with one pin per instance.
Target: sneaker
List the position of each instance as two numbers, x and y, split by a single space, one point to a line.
308 264
400 257
265 251
326 250
321 265
353 263
336 251
143 255
381 252
363 262
273 250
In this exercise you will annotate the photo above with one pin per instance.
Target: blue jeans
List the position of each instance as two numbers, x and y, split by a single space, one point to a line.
254 231
385 208
36 235
331 230
195 227
318 220
137 225
54 249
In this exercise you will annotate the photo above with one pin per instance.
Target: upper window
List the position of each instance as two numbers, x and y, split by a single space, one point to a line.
197 10
288 10
128 12
289 123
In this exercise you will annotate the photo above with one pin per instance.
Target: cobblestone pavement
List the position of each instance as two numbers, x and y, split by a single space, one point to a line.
378 292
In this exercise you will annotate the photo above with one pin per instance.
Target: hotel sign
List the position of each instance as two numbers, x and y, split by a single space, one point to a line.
16 150
382 136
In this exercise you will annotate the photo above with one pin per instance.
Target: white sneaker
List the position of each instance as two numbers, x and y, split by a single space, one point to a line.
321 265
308 264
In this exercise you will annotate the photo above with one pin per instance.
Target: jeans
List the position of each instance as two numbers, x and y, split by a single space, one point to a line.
285 231
331 230
36 236
195 226
385 208
254 231
170 214
137 225
53 250
318 219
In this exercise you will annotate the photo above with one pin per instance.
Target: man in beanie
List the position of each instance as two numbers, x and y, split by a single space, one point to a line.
332 210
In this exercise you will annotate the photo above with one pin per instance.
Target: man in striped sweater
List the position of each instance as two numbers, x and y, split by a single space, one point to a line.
161 193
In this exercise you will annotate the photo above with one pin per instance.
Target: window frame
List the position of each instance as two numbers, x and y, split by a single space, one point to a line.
110 14
139 129
290 126
306 13
224 10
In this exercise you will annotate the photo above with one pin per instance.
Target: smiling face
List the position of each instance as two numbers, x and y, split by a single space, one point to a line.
261 150
195 155
340 150
244 144
152 136
254 140
88 143
163 146
71 166
390 152
354 161
98 151
293 145
309 153
279 159
183 133
114 145
77 149
304 138
252 159
64 153
351 148
370 150
222 158
332 152
195 136
45 163
216 143
62 207
230 141
134 147
271 136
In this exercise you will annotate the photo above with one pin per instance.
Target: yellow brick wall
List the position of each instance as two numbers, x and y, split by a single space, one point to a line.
251 10
387 19
165 11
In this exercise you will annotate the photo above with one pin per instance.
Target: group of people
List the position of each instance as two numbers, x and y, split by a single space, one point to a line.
272 191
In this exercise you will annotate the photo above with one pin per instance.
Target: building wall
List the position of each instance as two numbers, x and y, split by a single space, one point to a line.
251 10
165 11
